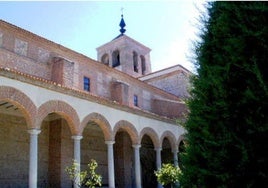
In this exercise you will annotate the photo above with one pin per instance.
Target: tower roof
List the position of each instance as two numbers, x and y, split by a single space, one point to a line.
122 25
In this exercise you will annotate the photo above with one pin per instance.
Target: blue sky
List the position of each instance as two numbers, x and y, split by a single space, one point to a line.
167 27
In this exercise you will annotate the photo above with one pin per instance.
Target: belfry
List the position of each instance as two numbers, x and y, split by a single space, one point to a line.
125 54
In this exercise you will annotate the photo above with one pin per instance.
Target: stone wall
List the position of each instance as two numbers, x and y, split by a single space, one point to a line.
94 147
14 153
176 83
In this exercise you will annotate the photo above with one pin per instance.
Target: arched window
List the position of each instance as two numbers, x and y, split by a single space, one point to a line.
143 65
116 58
105 59
135 61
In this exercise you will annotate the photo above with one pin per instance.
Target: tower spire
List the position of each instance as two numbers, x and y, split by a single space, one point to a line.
122 23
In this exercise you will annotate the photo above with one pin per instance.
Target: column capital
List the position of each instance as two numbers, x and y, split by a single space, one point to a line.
109 142
158 148
175 150
77 137
34 131
136 146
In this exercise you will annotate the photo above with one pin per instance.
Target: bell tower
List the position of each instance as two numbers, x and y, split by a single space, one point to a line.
125 54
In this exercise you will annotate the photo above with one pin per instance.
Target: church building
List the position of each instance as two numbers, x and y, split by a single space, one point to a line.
57 105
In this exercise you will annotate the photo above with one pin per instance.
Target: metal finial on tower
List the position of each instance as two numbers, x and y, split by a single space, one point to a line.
122 23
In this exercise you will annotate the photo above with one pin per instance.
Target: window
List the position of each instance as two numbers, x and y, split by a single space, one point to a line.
135 100
86 84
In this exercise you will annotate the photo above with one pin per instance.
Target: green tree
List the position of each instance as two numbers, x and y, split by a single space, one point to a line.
228 121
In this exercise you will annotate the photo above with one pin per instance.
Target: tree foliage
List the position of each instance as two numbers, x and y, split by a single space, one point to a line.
228 121
168 174
88 178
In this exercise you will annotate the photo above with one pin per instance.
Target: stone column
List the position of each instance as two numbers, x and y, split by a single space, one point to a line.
77 158
175 157
137 165
110 163
158 157
158 162
33 157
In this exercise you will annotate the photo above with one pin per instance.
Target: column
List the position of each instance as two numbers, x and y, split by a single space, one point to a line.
158 157
137 165
175 157
158 162
110 163
33 157
77 158
176 163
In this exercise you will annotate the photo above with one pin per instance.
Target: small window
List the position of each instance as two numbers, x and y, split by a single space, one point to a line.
86 84
135 100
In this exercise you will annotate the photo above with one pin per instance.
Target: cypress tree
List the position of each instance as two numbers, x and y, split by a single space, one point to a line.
227 128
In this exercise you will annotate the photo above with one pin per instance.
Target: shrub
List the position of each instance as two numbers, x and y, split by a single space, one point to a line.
168 174
88 178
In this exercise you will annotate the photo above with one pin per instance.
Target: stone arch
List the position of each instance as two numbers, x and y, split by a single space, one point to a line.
181 138
171 138
21 100
105 59
143 65
152 134
135 61
116 58
129 128
62 108
101 121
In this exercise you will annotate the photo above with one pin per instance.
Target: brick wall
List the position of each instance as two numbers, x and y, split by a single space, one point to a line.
169 108
31 54
124 171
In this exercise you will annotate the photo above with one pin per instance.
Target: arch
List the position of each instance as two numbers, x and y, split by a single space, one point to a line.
171 138
116 58
21 100
129 128
62 108
101 121
181 138
135 61
143 65
152 134
105 59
